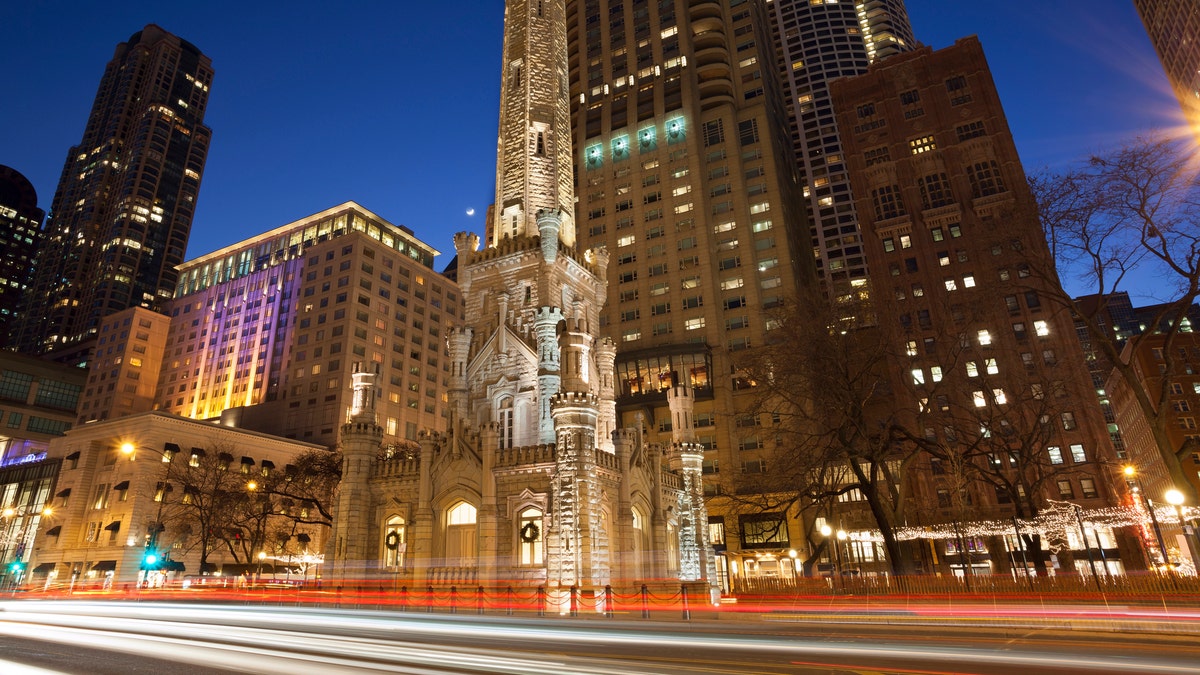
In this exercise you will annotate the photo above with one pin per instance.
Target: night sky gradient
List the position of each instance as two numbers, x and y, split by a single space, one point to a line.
395 104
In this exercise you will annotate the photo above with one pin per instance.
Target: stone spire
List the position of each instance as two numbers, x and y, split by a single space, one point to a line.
534 166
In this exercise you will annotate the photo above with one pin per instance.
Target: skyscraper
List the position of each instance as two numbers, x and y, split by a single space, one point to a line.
817 43
121 215
987 364
1174 29
686 175
20 236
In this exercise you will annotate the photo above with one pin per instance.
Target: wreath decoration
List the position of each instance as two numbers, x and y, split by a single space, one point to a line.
530 533
392 541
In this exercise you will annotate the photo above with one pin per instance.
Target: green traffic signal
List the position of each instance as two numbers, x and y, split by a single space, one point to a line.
16 567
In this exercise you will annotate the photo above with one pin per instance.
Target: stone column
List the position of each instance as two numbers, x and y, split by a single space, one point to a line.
545 328
606 423
623 443
489 516
459 344
421 542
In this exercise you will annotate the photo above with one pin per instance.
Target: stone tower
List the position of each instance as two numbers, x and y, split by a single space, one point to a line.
534 163
361 437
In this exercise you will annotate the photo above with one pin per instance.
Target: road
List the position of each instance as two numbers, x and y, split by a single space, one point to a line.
115 637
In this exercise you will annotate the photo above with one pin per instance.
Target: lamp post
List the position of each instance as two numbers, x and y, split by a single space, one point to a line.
1175 498
1131 475
827 532
15 538
262 555
153 560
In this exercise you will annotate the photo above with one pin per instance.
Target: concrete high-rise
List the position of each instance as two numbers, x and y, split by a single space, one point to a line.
817 43
1174 29
20 236
686 174
121 215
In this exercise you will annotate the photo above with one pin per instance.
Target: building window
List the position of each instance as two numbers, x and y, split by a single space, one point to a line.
1077 454
888 202
1055 453
985 179
922 145
460 535
395 545
530 536
1065 489
935 192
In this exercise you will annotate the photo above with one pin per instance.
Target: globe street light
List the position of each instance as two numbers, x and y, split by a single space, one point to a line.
1175 498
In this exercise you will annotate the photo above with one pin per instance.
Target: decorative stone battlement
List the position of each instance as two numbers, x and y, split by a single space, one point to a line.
525 455
397 466
625 435
607 460
573 399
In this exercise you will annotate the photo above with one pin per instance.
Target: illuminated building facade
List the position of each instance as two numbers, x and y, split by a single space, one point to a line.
1174 30
961 289
819 42
20 236
534 480
686 176
123 209
265 333
122 377
106 502
37 404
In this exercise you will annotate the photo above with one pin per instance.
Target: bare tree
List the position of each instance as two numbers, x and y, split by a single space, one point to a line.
1132 208
825 382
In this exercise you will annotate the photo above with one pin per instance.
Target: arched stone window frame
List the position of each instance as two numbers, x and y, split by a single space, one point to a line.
395 531
461 533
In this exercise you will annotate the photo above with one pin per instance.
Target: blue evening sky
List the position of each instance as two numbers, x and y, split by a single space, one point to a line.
394 104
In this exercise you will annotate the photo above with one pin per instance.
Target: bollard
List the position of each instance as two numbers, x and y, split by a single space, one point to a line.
454 599
574 601
541 601
479 600
404 598
687 613
608 601
509 610
429 600
645 602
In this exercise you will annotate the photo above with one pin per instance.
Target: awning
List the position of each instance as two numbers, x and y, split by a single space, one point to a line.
113 526
105 566
225 457
170 447
44 568
198 452
64 493
123 485
172 566
248 460
268 464
73 456
303 538
54 531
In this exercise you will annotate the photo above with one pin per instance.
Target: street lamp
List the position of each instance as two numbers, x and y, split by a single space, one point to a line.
152 559
262 555
1175 498
1131 475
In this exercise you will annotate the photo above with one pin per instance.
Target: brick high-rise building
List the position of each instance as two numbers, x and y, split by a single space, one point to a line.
987 362
1174 29
20 236
121 215
685 173
819 42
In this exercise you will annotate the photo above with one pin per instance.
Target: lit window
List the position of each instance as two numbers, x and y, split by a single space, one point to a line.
972 369
992 368
1055 452
1041 328
985 338
918 376
980 399
998 394
935 373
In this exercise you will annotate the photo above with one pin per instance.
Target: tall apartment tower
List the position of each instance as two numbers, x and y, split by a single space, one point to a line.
1174 29
20 236
962 290
686 175
817 43
121 215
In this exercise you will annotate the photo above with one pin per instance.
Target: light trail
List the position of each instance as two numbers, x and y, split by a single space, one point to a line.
289 641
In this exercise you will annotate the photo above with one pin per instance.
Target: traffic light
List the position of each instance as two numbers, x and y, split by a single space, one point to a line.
150 560
16 567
